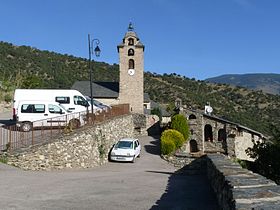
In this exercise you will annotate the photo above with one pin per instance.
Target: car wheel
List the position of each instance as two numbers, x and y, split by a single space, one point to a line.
26 126
133 160
138 155
74 123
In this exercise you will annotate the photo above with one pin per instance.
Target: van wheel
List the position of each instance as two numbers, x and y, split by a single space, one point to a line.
26 126
74 123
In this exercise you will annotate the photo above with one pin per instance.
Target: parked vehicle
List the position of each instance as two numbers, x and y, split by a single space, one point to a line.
126 149
98 104
72 100
32 114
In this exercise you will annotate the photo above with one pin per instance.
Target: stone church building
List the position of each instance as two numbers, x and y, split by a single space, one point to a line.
130 89
209 134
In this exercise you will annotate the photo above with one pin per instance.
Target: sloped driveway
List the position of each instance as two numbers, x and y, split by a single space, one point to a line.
149 183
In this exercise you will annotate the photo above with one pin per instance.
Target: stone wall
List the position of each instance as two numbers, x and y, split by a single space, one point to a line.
84 148
5 107
238 188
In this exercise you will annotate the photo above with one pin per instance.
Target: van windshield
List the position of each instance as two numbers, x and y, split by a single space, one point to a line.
79 100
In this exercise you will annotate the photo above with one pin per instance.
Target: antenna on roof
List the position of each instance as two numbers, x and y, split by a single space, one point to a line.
208 109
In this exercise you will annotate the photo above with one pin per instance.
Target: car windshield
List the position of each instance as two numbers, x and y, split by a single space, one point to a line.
124 145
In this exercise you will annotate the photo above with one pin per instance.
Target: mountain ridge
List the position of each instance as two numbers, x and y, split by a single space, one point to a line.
267 82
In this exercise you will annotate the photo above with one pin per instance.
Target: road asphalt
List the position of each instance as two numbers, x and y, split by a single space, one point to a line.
149 183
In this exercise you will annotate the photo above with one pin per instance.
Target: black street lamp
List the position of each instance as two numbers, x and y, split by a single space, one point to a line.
95 52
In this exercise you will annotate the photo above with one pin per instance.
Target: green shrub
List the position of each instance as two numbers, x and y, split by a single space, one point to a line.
171 140
167 146
8 98
179 123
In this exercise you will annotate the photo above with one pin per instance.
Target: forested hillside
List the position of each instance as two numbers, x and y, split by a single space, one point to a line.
29 67
26 67
250 108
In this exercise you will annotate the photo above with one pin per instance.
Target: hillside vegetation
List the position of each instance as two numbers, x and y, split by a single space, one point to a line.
269 83
254 109
26 67
29 67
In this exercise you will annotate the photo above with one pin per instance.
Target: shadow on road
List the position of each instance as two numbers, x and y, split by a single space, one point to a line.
187 190
153 147
7 122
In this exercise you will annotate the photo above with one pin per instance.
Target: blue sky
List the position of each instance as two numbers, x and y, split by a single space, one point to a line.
195 38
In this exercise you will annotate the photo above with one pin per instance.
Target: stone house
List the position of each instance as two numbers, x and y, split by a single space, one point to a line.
212 134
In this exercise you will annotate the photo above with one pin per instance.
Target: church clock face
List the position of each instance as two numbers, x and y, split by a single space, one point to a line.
131 72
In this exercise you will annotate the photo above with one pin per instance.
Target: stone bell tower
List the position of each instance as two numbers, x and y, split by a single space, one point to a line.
131 53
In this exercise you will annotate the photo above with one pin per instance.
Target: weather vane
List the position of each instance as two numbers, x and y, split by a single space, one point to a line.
130 27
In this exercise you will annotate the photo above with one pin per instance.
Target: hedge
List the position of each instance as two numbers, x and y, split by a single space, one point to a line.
171 140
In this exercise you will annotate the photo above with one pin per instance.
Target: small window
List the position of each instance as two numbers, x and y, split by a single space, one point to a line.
62 99
39 108
130 52
78 100
192 117
131 64
130 41
33 108
54 109
27 108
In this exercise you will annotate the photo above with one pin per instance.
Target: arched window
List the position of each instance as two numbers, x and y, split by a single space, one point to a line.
130 41
131 64
193 146
130 52
192 117
208 134
222 135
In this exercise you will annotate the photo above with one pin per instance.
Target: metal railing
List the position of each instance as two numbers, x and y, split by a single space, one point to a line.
43 131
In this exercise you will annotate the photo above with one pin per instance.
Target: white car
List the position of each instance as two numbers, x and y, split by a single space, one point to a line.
126 149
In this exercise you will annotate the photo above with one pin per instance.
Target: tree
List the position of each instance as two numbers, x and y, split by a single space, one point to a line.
31 81
179 123
267 157
157 111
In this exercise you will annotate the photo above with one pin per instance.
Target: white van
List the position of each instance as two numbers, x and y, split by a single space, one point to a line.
32 114
72 100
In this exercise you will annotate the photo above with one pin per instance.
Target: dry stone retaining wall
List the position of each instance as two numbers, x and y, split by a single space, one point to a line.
238 188
85 148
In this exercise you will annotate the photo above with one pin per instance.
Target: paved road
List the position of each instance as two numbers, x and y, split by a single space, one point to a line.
149 183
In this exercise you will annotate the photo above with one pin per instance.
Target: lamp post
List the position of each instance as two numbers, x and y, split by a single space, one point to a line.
96 52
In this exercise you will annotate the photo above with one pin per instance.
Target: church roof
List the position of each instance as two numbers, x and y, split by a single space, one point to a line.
99 89
131 33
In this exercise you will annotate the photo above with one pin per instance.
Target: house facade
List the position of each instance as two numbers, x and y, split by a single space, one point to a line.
211 134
